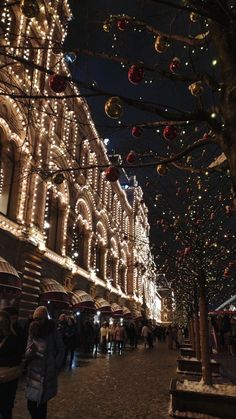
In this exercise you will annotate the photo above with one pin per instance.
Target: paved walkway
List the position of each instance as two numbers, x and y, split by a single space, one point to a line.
134 385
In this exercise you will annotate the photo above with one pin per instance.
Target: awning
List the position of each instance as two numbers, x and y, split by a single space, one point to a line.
10 283
53 291
116 310
136 314
102 305
126 313
81 300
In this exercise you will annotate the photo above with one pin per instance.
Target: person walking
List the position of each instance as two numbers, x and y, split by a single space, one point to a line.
70 333
104 337
44 354
144 334
11 352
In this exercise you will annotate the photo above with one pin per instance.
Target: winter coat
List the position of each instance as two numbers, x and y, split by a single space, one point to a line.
70 335
45 354
10 358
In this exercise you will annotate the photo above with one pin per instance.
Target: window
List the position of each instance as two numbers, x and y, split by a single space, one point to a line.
7 174
54 223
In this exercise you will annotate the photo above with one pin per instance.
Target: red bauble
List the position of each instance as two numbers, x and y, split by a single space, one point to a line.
130 158
112 174
57 83
136 131
206 136
174 65
135 74
170 132
121 24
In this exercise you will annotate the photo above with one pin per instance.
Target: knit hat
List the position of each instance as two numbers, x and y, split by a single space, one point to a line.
40 312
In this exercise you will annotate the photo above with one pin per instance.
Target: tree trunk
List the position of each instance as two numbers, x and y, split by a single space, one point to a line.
204 336
197 335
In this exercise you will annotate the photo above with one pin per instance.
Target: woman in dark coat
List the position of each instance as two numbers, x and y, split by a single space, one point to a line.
70 334
45 353
11 353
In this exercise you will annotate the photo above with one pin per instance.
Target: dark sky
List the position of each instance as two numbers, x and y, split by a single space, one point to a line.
86 32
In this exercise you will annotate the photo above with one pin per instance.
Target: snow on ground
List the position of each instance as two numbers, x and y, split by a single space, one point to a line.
225 389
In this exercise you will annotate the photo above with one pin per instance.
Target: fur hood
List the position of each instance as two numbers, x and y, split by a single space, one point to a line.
42 328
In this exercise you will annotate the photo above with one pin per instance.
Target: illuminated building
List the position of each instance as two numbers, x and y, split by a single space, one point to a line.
60 218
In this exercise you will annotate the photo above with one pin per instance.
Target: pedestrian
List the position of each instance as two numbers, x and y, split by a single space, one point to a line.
120 336
16 326
96 338
11 352
144 333
104 337
44 354
70 333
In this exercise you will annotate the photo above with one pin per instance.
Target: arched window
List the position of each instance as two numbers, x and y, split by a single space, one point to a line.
8 199
79 246
55 223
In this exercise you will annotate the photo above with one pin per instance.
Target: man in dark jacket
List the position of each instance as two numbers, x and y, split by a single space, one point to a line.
45 353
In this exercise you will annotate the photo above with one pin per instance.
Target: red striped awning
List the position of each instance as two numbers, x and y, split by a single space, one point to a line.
116 310
10 282
53 291
126 313
82 300
102 305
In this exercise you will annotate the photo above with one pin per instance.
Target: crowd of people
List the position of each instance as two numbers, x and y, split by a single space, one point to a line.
43 346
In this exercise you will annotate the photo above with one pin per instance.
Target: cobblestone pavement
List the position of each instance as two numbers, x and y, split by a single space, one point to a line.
134 385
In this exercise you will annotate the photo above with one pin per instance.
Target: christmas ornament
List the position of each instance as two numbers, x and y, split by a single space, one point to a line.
121 24
162 169
196 88
70 57
114 107
170 132
57 48
57 83
58 179
135 74
161 44
30 8
174 65
112 174
136 131
130 158
106 26
194 17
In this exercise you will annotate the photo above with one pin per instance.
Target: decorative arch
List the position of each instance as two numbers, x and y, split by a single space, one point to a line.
14 167
82 234
113 261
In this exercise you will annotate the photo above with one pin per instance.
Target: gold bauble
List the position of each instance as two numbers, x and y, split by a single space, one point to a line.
161 44
114 107
162 169
194 17
106 27
30 8
196 88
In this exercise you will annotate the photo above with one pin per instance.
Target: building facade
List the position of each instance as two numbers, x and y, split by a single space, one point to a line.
61 220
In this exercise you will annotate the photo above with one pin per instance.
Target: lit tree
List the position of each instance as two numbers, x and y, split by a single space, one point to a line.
197 252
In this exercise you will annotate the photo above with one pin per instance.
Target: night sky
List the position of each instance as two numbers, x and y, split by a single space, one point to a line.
177 193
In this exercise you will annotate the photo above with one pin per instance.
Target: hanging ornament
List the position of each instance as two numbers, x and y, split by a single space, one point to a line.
136 132
226 273
174 65
162 169
135 74
122 24
170 132
58 179
106 26
196 88
57 48
131 157
57 83
161 44
112 174
194 17
114 107
30 8
70 57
